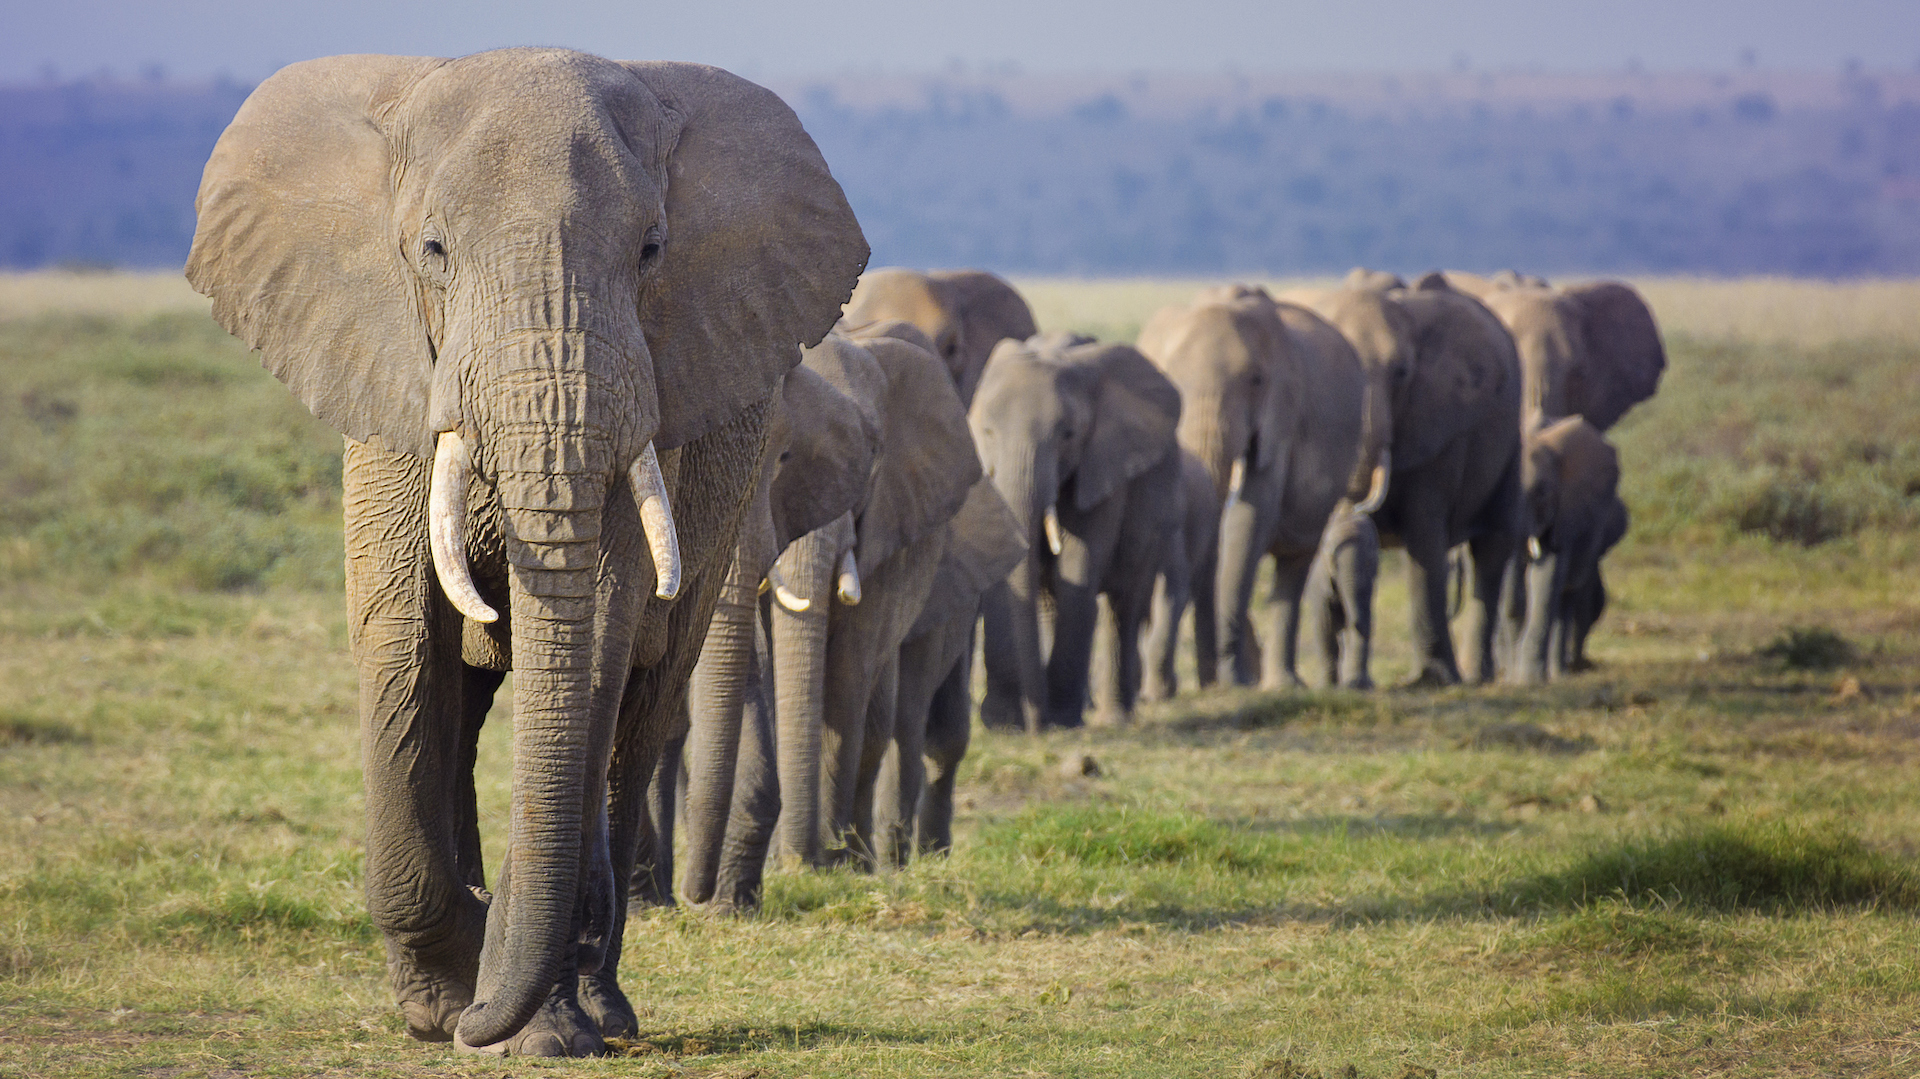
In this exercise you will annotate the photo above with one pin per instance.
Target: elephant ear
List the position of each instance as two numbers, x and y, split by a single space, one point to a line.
927 460
989 311
761 251
296 245
832 441
1624 357
1465 369
985 545
1135 413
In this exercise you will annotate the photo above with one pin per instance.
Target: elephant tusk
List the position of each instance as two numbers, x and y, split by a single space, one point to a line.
849 585
1377 493
1050 524
1533 548
447 527
788 598
764 585
1236 480
656 519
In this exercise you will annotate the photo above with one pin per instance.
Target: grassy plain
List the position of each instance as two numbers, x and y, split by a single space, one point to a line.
1703 858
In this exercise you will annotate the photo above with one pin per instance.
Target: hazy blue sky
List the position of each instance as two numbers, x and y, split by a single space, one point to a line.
778 37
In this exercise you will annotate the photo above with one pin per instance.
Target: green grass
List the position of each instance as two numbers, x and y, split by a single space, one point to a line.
1700 858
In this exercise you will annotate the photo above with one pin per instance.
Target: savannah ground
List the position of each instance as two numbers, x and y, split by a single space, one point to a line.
1702 858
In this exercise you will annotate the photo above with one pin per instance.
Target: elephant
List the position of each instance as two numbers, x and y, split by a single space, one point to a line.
1589 350
836 667
965 312
1339 592
1078 438
546 298
1570 476
1584 601
820 451
1189 559
1274 402
1444 394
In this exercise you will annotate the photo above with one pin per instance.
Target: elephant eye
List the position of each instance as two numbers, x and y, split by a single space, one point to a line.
785 456
434 254
650 246
648 252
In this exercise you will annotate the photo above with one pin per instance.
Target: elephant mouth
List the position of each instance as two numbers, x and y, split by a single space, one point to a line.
447 524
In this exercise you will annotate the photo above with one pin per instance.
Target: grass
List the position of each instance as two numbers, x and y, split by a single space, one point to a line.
1700 858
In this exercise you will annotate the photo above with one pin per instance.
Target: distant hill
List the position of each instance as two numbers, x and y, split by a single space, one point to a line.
1756 172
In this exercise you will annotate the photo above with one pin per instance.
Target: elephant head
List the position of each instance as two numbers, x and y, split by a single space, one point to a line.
1061 422
1589 350
1240 391
1384 338
544 271
964 314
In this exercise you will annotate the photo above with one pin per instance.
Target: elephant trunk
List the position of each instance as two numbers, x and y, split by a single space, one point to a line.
552 525
799 642
1030 491
1216 438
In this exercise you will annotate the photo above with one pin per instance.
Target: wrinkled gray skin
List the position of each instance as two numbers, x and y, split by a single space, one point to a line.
1444 372
1085 430
821 446
837 666
1339 594
1571 478
1190 561
965 313
1275 389
563 260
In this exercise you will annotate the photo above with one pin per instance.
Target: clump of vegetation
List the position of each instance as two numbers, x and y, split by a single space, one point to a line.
1809 648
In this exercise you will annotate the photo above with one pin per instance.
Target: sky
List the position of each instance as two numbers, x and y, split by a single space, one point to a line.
195 39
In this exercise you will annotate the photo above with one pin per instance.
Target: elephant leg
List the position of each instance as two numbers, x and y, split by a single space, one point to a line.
1280 669
876 739
925 662
1163 638
756 794
1355 569
1076 617
1206 630
949 728
1001 707
1490 554
652 879
716 705
476 702
1105 677
1426 546
406 644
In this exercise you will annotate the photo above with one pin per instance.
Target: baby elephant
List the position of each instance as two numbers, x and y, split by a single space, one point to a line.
1339 593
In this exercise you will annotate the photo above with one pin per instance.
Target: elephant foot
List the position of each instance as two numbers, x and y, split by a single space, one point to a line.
561 1028
608 1007
1286 681
1112 717
1362 682
1159 689
999 713
433 988
1434 676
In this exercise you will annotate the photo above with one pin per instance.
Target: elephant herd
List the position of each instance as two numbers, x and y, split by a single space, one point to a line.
626 415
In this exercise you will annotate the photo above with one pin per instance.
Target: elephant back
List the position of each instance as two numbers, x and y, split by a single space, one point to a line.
1466 375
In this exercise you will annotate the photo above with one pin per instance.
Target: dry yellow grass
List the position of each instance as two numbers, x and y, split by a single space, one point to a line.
130 295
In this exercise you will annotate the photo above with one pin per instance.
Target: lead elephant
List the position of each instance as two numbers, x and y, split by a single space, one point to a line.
547 298
1078 437
965 313
1445 381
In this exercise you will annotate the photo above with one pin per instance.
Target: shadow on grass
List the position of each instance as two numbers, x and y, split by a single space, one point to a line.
760 1039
